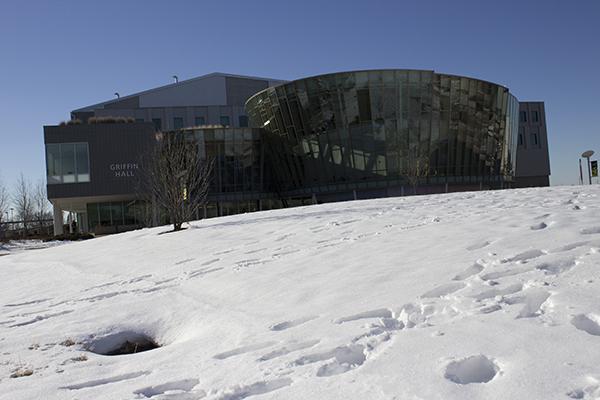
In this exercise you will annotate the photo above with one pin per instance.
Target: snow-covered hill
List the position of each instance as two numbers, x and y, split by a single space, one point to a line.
486 295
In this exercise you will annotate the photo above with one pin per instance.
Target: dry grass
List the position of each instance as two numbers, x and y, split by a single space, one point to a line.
21 372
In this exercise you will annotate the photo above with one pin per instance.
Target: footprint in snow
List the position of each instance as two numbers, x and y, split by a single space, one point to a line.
589 323
444 290
470 271
261 387
184 385
533 299
243 350
474 369
478 245
106 381
538 226
590 231
281 326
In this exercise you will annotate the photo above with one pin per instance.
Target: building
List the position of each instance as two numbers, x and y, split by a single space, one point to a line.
533 168
331 137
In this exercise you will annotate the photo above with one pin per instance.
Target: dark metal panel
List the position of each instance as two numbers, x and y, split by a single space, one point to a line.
114 151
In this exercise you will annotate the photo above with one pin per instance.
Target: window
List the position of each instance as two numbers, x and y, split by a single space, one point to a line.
243 119
177 123
523 116
157 123
536 116
534 139
67 163
139 120
520 139
224 120
199 121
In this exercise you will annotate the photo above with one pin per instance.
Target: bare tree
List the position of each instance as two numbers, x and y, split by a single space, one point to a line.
415 168
23 201
4 199
176 176
41 208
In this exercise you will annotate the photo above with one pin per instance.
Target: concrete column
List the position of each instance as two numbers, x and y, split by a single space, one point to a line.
58 219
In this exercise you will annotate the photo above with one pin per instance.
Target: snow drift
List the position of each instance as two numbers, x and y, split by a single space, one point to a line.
485 295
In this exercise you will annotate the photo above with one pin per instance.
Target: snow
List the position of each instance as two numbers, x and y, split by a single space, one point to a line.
480 295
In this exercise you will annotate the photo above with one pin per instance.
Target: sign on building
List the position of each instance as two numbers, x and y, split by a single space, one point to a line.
595 168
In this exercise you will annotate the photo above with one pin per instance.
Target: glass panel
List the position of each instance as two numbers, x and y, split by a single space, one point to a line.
199 121
157 123
224 120
177 123
243 120
116 211
92 214
53 163
82 162
104 214
67 156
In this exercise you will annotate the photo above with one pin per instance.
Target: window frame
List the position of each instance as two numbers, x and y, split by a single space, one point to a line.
52 180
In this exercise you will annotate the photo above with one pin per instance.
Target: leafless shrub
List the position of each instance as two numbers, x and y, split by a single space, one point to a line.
176 176
415 168
24 203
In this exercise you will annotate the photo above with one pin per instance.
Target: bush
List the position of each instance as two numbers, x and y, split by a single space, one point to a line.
71 122
110 120
71 236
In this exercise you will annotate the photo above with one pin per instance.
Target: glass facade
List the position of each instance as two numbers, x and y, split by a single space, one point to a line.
237 158
118 214
387 127
67 163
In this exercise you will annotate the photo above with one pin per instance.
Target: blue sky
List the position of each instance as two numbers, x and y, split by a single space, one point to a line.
56 56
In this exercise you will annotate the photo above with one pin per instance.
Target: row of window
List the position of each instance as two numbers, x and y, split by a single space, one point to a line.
67 163
535 116
178 122
534 141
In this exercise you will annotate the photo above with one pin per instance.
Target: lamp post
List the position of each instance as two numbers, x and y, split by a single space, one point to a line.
587 155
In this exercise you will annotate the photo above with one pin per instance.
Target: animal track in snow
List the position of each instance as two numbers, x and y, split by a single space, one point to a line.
379 313
184 385
27 303
106 381
344 358
591 391
202 271
504 273
590 231
514 288
262 387
281 326
289 348
444 290
524 256
557 266
40 318
474 369
243 349
472 270
255 250
187 260
569 247
589 323
538 226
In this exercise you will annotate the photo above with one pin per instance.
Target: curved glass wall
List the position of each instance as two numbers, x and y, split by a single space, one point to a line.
388 127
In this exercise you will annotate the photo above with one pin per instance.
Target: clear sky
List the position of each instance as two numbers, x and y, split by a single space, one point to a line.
56 56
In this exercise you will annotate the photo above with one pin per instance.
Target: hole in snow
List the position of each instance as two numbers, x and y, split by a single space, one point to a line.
474 369
121 343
